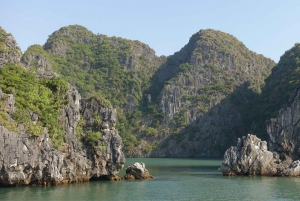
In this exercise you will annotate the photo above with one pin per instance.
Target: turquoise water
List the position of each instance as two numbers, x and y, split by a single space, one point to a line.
175 179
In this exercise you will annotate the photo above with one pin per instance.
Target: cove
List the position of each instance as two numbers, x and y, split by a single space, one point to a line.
175 179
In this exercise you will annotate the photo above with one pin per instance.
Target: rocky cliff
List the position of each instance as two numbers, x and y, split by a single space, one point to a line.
33 160
284 136
284 130
250 156
27 153
111 68
9 50
37 60
203 85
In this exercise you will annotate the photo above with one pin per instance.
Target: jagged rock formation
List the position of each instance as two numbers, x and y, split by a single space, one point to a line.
37 60
284 129
137 171
10 52
31 160
250 156
27 154
107 154
159 97
110 68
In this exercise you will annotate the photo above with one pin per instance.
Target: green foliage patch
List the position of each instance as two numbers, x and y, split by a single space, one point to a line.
44 97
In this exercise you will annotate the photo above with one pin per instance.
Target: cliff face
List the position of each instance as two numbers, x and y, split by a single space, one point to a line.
218 63
33 160
27 154
107 154
111 68
251 157
9 50
284 130
37 60
282 159
202 84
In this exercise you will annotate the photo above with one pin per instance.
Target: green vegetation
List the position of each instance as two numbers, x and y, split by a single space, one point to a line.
92 137
36 51
2 40
119 74
43 97
279 87
150 132
92 63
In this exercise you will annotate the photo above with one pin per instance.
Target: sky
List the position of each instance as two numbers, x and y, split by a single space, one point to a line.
268 27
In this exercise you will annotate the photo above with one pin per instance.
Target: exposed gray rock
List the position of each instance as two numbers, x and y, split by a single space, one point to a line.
8 101
284 130
196 98
25 159
284 147
10 52
112 157
137 171
39 63
293 170
249 157
29 160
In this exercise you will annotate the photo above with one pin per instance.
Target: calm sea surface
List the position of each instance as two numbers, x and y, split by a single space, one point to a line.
175 179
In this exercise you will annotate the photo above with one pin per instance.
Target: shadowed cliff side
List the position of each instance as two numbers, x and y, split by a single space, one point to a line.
283 130
202 88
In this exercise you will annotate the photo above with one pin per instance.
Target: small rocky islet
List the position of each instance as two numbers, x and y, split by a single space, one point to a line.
196 103
137 171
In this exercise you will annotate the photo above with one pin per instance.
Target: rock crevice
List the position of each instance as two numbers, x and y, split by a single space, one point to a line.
33 160
251 157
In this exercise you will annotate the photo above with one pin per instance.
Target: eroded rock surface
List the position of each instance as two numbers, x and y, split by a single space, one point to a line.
30 160
10 52
137 171
249 157
36 59
284 129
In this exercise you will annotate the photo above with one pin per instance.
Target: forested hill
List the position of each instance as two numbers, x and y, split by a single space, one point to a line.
205 88
190 104
115 70
278 92
46 127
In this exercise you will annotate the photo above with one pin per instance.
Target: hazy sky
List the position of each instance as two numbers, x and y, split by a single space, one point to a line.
268 27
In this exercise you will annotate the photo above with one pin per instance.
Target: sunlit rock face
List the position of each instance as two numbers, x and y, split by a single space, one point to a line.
249 157
137 171
10 52
33 160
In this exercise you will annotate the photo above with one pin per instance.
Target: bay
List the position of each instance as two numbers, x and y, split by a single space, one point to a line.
175 179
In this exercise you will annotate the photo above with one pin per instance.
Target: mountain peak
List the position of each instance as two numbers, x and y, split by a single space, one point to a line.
9 49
